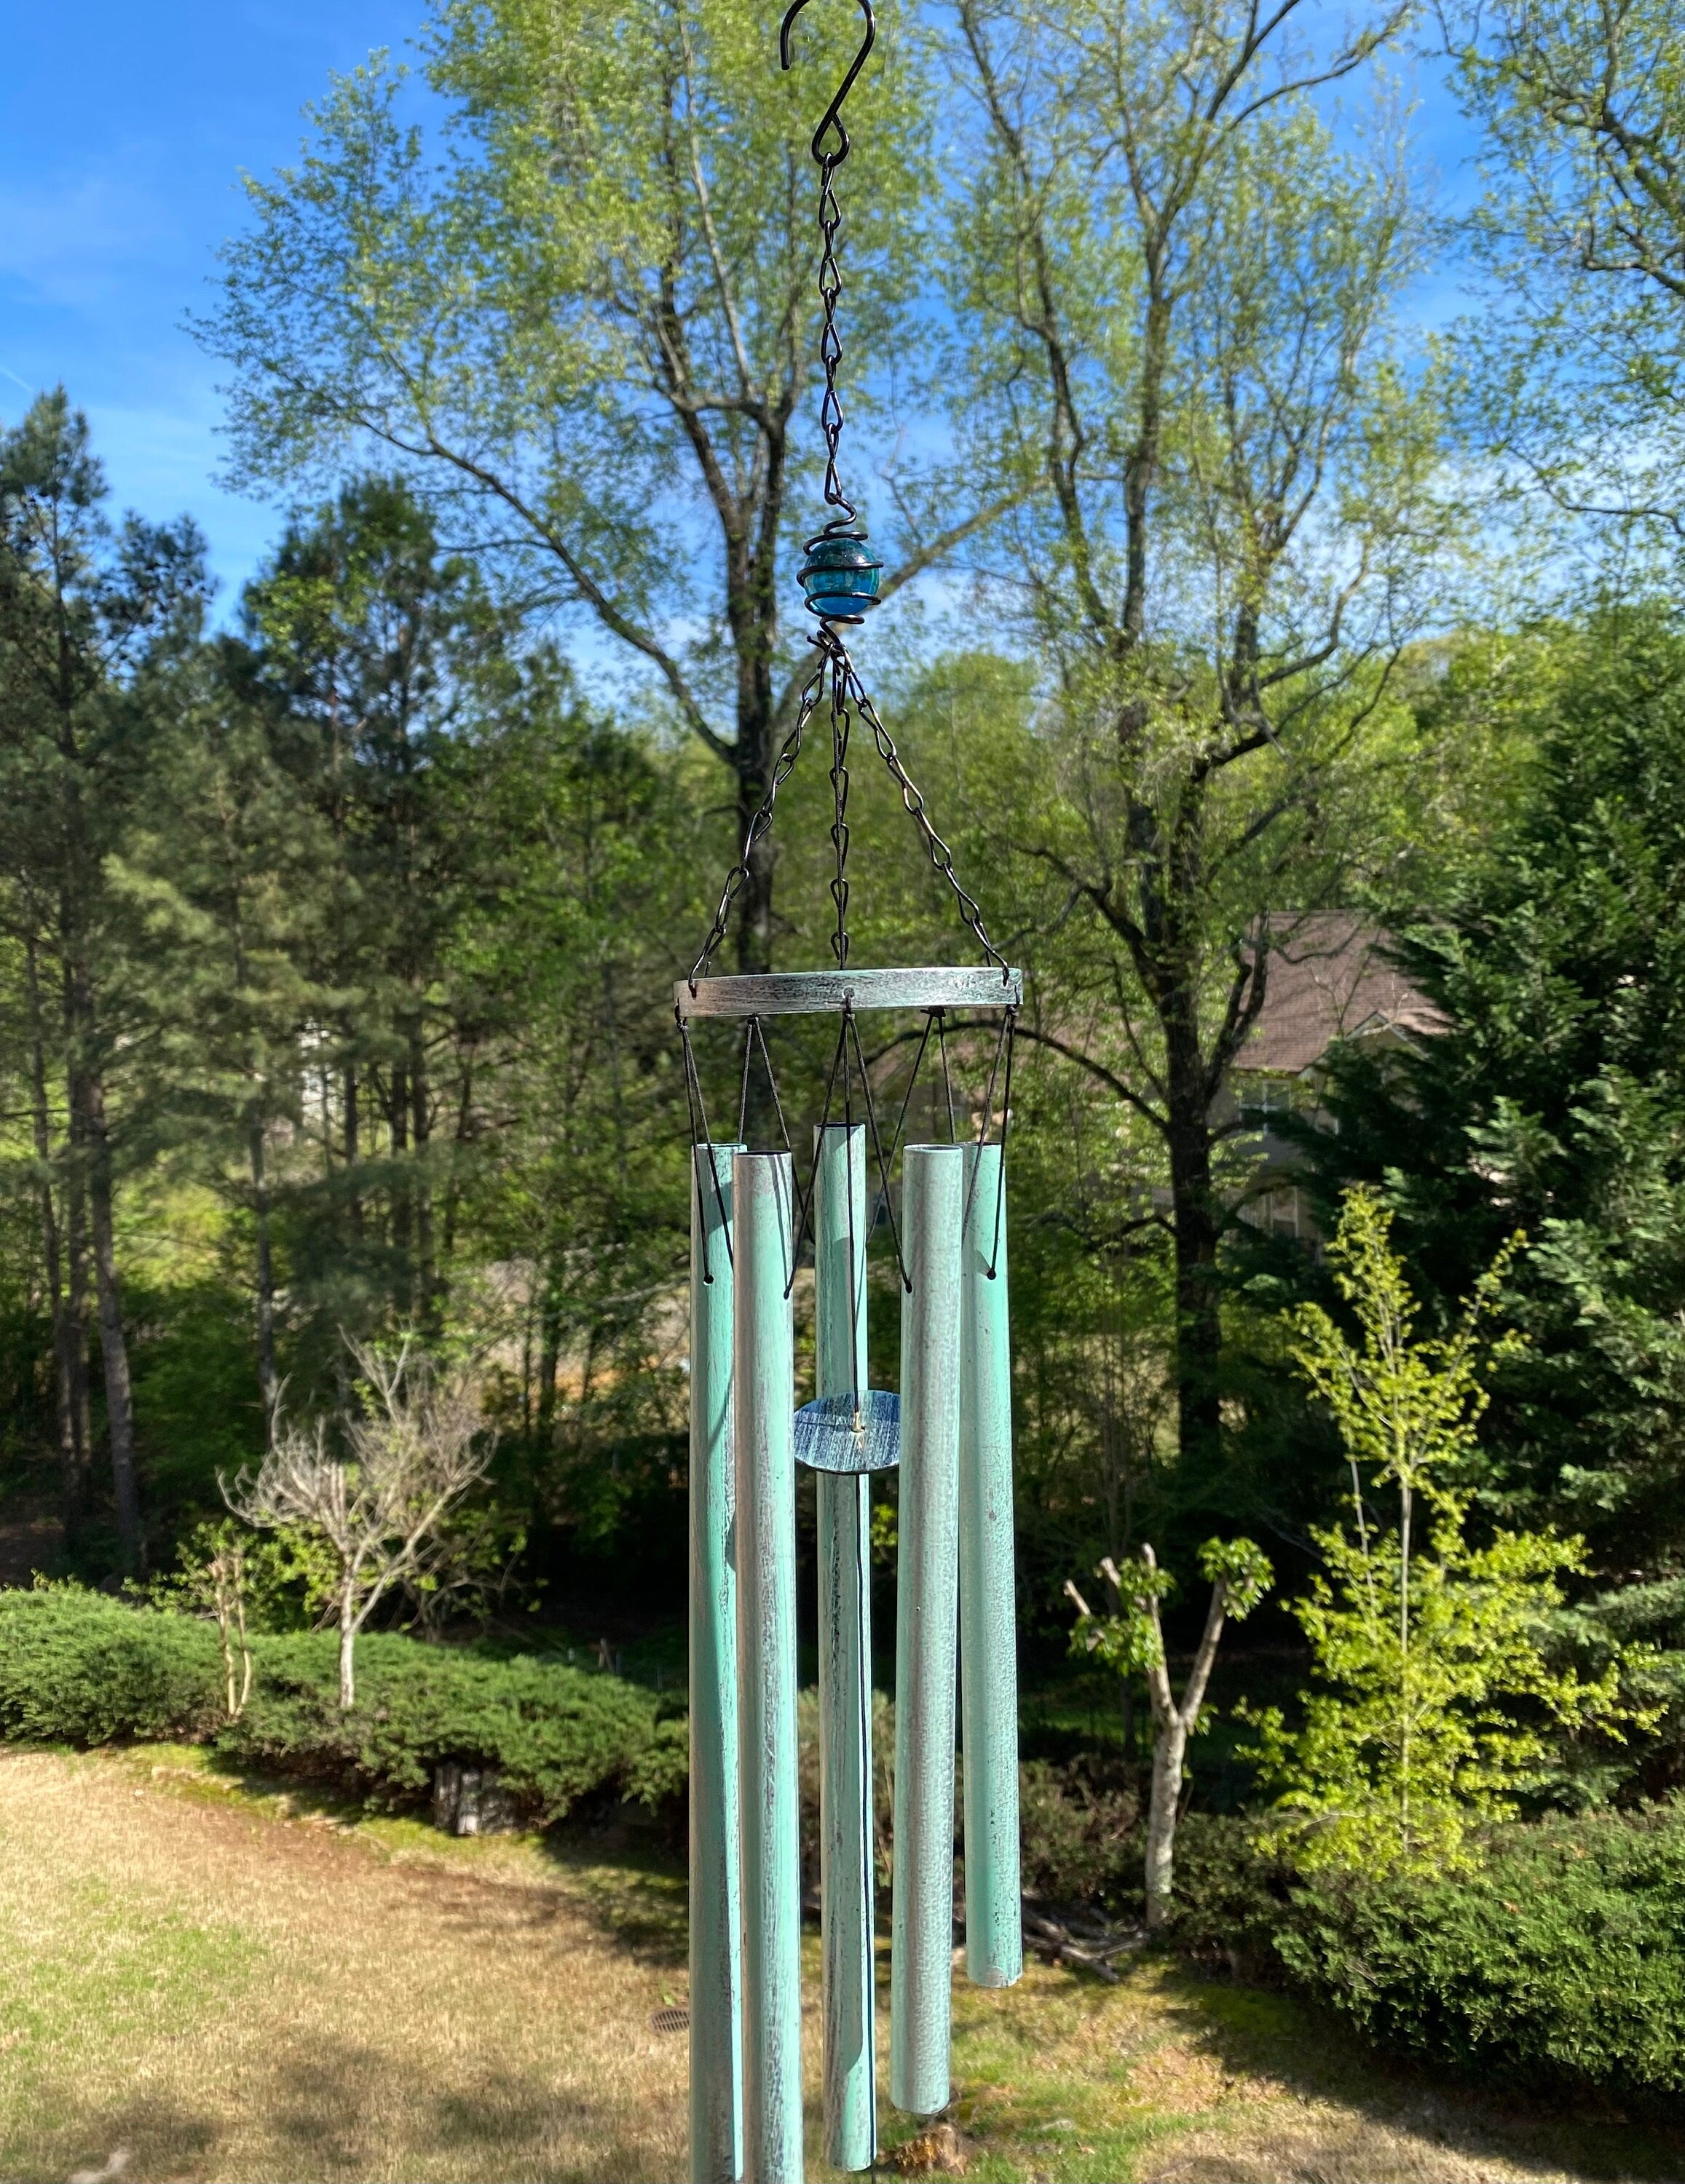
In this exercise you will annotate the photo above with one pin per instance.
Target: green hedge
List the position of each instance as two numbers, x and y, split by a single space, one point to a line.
555 1735
1563 1955
1559 1958
79 1668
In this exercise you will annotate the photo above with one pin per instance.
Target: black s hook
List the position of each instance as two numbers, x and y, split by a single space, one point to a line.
834 112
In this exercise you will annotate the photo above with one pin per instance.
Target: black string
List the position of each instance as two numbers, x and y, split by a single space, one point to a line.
771 1084
947 1082
698 1106
743 1096
994 1266
853 1265
941 856
805 1203
877 1143
912 1083
988 1113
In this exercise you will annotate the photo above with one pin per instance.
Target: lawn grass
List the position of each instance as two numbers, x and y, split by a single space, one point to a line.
224 1980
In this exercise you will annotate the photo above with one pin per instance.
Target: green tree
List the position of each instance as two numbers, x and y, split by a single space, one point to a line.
222 874
587 319
1439 1700
1550 1098
1131 1640
1576 365
88 615
574 1179
376 652
1181 292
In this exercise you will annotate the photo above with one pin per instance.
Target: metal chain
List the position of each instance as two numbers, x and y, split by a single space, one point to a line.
840 724
845 684
759 824
941 856
830 342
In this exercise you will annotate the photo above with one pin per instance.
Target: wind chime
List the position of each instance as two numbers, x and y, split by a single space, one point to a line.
949 1428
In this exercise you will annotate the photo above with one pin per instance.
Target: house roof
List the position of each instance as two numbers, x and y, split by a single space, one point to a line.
1329 979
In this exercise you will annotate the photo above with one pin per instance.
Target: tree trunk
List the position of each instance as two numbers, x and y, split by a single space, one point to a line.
1169 1744
755 904
398 1123
465 1115
1199 1328
348 1645
351 1149
73 1455
424 1299
269 1379
120 1409
549 1349
75 1258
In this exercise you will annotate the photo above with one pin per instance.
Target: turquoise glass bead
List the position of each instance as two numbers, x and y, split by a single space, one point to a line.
841 577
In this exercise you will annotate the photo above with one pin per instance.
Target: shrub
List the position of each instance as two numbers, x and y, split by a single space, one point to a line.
1559 1957
1234 1894
554 1733
1080 1831
1563 1955
79 1668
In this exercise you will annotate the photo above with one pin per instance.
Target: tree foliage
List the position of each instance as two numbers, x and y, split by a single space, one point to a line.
1437 1699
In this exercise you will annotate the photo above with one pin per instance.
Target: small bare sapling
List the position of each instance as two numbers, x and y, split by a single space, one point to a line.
414 1447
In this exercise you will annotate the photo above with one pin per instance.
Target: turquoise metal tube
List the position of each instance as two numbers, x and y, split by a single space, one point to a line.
993 1931
716 1989
926 1631
844 1661
763 1411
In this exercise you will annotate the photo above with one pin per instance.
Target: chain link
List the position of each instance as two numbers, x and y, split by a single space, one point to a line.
941 856
758 825
845 687
830 341
841 725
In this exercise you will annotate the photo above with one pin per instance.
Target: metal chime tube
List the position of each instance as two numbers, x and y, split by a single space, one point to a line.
926 1630
715 1988
844 1661
763 1415
994 1933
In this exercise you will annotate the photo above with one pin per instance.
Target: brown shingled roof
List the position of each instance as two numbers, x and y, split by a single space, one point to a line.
1328 979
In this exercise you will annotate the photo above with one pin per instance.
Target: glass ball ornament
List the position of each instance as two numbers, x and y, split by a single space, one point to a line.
840 576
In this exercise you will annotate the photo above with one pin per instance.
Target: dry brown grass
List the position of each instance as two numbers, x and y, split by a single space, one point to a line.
200 1983
227 1993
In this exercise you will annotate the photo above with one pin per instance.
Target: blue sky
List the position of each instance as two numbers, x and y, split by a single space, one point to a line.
123 131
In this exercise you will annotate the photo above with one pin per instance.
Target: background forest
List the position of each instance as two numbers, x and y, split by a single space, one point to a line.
339 920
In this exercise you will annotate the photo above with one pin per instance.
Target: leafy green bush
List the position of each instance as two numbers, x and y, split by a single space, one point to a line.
1563 1955
1560 1956
1234 1896
1081 1832
555 1735
79 1668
